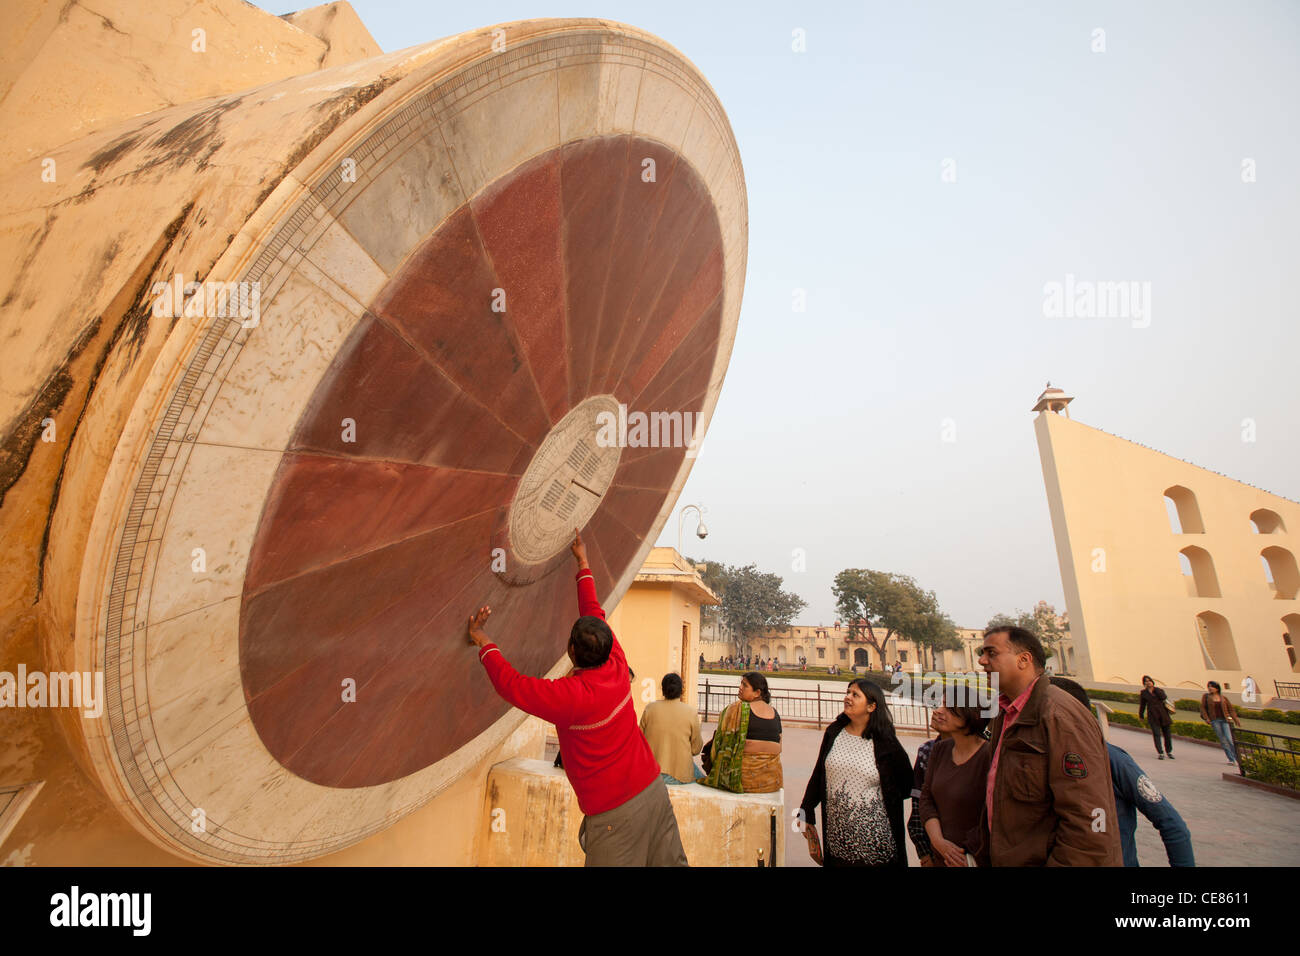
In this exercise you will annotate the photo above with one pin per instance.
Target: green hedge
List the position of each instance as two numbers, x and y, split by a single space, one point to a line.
1194 704
1199 731
1268 713
1183 728
1270 768
1121 695
1179 727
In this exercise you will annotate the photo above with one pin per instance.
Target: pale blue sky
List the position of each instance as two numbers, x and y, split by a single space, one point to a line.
925 298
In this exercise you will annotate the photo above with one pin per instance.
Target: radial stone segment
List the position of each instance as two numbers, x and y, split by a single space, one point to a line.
533 238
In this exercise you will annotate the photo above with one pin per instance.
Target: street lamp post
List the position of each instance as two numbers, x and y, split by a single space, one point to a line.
700 530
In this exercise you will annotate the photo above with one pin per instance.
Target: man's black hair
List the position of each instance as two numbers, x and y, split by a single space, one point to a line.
1022 640
672 686
592 640
1074 689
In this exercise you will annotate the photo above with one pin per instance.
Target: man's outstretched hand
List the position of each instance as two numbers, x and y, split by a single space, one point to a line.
579 550
476 622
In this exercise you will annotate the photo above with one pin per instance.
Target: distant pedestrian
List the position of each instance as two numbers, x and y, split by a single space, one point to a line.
1153 705
1218 712
861 779
1134 791
701 662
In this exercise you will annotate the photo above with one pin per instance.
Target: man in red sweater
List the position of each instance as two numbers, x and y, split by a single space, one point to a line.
627 817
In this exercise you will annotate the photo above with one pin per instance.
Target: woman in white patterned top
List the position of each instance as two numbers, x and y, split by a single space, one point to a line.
862 777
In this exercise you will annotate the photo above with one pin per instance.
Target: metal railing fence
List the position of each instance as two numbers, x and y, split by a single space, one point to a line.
813 705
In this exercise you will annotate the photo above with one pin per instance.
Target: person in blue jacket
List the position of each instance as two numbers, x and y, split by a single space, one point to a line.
1135 792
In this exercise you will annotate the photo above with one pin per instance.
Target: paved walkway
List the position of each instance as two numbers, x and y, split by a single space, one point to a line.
1231 824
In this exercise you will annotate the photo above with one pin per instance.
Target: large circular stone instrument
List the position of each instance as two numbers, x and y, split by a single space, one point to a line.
306 502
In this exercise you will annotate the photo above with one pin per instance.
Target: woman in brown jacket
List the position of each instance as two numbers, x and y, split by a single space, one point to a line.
1217 711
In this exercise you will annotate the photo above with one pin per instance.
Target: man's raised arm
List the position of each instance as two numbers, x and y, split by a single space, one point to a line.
551 700
588 603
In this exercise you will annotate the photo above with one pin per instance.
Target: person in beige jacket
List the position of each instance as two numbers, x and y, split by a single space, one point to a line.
672 728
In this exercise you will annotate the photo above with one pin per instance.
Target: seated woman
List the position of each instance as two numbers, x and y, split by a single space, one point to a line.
745 753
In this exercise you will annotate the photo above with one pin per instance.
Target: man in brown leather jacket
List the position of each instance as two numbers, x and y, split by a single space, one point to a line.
1049 800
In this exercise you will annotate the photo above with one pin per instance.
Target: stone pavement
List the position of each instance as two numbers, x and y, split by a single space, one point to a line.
1231 824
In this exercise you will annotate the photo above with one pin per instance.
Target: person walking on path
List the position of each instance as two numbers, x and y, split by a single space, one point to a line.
954 785
1218 712
861 779
1135 792
1154 706
627 817
1049 774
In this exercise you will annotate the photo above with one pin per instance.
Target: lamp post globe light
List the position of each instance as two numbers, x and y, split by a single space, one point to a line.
700 530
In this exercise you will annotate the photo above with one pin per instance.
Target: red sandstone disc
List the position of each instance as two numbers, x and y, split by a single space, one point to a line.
410 430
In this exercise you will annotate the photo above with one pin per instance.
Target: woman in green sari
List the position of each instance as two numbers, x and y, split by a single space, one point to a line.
745 754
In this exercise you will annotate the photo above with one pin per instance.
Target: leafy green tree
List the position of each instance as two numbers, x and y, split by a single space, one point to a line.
1043 622
934 631
752 601
879 606
715 577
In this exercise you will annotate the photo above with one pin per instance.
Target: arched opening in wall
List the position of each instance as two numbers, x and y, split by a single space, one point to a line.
782 654
1215 639
798 653
1198 569
860 657
1184 514
1281 573
1265 521
1290 638
764 651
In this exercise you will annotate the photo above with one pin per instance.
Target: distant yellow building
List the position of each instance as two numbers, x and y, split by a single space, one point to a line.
826 646
1169 569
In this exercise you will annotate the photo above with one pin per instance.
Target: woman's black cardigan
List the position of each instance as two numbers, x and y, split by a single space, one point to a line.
895 785
1152 706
